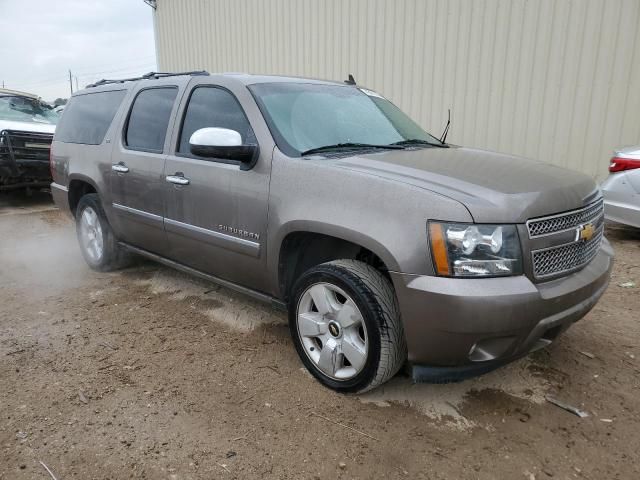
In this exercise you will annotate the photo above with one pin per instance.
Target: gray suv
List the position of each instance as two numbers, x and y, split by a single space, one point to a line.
387 246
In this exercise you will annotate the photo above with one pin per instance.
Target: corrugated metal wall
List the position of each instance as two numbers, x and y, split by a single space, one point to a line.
556 80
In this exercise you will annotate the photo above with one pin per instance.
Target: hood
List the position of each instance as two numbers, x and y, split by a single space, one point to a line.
27 126
494 187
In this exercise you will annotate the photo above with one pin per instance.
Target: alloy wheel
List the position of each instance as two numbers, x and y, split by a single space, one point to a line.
91 234
332 331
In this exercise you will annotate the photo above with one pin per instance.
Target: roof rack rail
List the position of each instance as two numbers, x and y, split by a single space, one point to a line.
146 76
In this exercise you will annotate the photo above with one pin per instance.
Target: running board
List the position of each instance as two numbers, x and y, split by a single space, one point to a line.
263 297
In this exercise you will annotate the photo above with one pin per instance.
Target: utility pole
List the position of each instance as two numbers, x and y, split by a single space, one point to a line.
70 82
76 83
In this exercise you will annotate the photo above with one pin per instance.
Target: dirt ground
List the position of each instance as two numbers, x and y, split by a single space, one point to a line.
147 373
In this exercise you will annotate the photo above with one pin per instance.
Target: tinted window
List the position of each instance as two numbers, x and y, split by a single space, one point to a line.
214 107
149 119
86 118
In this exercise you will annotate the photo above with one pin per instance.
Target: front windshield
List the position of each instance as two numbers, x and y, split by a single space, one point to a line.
25 109
306 116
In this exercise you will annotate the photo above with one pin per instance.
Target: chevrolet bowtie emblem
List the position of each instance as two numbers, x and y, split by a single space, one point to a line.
585 232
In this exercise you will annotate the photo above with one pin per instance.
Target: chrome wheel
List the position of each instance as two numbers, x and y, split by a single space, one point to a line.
332 331
91 234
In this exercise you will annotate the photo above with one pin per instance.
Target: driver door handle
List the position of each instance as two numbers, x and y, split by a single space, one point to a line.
177 179
120 168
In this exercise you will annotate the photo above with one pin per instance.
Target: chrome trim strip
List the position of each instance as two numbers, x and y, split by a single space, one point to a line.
135 211
596 220
59 187
564 214
240 245
599 231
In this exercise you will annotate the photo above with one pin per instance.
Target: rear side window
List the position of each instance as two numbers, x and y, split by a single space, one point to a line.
86 118
214 107
149 119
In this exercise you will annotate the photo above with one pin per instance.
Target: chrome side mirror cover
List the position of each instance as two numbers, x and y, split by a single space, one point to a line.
225 144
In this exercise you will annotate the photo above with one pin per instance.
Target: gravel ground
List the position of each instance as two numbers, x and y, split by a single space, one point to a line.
147 373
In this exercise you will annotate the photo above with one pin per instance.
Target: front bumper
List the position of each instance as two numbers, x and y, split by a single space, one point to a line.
19 175
476 324
24 159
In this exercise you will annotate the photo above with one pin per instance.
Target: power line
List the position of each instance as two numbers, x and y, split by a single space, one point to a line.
85 79
43 81
130 61
128 69
87 74
116 69
53 79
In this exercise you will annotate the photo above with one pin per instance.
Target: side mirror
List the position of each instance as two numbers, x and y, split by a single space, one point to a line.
223 143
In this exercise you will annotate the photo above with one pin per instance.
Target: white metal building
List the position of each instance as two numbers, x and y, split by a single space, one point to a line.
556 80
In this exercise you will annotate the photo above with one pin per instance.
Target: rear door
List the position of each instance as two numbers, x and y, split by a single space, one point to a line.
137 180
216 221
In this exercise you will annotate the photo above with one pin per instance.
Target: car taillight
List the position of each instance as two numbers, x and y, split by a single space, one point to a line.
50 161
619 164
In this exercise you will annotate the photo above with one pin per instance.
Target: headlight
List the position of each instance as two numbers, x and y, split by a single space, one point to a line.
470 250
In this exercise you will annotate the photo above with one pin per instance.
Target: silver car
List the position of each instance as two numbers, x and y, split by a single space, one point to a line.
622 188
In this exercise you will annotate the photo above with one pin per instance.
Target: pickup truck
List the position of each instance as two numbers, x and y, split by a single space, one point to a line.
387 245
26 130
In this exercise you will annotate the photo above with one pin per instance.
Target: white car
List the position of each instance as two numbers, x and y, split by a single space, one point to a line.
622 188
26 129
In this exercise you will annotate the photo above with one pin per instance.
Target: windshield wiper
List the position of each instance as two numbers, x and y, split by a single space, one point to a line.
417 141
350 146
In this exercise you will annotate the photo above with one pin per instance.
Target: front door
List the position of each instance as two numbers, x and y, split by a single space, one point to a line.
216 213
137 180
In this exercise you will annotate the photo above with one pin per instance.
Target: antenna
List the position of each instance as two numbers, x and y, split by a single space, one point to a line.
350 80
443 137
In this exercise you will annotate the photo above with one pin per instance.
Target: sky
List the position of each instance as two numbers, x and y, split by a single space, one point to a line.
41 40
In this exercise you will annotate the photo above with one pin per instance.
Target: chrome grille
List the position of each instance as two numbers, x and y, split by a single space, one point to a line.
565 221
565 258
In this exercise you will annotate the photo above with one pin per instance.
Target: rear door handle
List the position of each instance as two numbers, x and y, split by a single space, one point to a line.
120 168
177 179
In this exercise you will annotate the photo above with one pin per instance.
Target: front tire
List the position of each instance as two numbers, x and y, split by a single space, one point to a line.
97 241
345 323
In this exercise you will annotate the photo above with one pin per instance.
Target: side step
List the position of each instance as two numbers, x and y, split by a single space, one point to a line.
263 297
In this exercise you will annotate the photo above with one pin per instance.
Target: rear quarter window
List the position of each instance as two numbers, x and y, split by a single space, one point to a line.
149 119
87 117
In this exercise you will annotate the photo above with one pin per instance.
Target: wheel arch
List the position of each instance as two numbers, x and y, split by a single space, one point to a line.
306 244
79 185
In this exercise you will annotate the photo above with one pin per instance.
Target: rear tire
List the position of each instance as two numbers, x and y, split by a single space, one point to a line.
345 323
97 241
